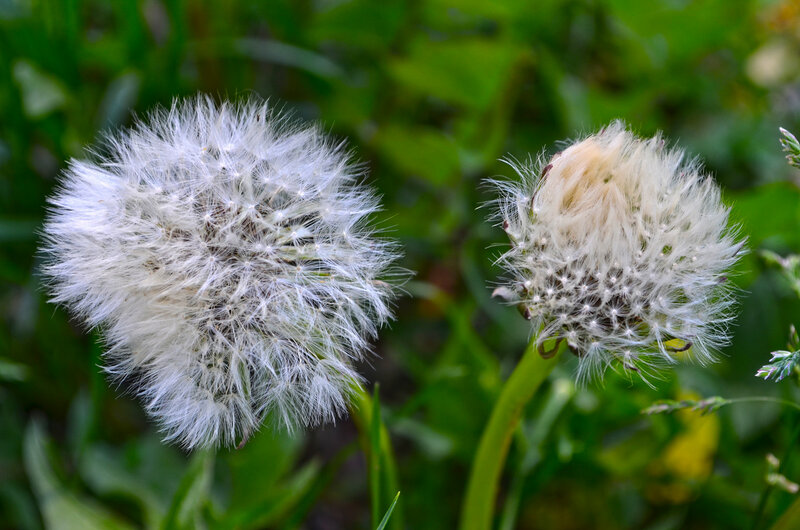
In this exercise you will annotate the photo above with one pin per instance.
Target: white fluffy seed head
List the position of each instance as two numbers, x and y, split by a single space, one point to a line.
227 256
619 246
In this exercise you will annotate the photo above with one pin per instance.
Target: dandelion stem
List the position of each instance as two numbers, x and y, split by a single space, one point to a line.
479 502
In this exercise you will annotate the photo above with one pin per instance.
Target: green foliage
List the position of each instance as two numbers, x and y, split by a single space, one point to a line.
61 509
185 508
431 94
790 267
10 371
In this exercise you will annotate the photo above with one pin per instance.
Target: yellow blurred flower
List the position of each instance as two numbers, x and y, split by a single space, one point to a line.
688 459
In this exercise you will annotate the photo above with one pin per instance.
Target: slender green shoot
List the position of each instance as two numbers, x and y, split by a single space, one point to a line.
477 512
388 513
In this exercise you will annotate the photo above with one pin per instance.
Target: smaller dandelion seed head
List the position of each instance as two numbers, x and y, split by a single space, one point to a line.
623 215
222 294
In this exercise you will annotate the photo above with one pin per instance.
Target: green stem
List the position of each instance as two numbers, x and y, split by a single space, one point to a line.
762 501
383 470
479 502
766 399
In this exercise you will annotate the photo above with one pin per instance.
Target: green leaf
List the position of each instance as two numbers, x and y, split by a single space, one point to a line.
61 509
11 371
41 93
464 72
362 24
278 503
259 469
432 443
101 469
771 211
119 98
297 514
790 267
440 11
18 230
285 54
419 151
790 519
388 513
769 214
19 506
192 493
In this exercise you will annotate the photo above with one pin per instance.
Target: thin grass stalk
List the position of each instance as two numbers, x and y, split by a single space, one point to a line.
379 454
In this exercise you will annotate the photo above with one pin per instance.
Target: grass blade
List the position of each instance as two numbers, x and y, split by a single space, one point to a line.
388 513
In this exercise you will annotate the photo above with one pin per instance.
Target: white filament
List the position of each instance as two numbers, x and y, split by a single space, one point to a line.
227 256
619 247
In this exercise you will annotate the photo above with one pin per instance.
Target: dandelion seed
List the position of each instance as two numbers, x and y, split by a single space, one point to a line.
234 311
629 212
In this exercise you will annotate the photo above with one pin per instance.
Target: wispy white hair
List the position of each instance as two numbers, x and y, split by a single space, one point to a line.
227 255
620 246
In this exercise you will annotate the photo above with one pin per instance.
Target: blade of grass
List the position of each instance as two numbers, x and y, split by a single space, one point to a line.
388 513
375 456
790 518
367 422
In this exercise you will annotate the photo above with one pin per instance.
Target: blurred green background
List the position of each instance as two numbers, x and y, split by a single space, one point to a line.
430 93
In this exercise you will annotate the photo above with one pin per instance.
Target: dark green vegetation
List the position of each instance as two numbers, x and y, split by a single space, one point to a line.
430 94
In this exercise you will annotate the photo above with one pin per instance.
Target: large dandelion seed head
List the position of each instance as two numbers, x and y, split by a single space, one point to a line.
227 257
619 246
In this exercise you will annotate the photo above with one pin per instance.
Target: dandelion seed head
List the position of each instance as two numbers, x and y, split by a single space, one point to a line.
638 237
222 293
